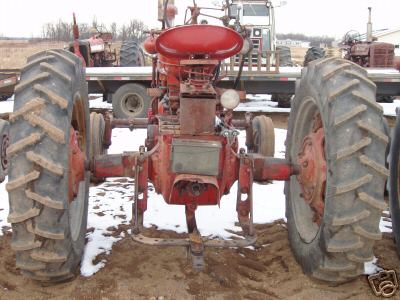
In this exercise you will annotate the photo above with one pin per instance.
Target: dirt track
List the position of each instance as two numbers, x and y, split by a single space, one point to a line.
136 271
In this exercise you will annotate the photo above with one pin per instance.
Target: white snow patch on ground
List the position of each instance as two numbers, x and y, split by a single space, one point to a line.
371 267
385 225
261 103
7 106
389 109
98 102
4 225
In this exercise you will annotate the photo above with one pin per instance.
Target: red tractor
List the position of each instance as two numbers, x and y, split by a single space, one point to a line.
334 167
95 51
369 53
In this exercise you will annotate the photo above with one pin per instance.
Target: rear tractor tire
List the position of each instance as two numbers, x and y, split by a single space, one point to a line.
337 137
131 54
312 54
48 178
394 186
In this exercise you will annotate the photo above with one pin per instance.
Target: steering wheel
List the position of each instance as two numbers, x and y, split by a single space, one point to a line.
352 37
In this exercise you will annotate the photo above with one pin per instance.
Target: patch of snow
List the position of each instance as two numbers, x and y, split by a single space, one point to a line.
261 103
384 224
389 109
99 103
7 106
370 267
4 208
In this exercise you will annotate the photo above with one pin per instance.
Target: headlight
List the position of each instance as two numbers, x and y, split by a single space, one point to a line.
257 32
230 99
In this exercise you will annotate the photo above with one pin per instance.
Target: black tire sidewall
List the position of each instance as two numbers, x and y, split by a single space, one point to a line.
118 97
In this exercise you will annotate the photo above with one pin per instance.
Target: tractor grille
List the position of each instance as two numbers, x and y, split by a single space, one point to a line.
381 55
254 55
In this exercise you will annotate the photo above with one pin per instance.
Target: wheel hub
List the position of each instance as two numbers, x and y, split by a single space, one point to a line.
76 163
5 142
312 163
132 103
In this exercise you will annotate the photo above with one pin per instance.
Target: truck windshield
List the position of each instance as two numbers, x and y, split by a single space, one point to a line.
252 10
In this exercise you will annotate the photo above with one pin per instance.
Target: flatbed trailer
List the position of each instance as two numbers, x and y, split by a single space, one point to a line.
108 80
8 79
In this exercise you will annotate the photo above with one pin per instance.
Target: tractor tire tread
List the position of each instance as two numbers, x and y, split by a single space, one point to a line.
356 169
42 236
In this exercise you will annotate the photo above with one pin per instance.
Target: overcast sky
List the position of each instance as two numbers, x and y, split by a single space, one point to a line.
312 17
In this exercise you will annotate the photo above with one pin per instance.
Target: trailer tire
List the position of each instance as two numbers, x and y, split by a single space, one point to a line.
385 99
313 53
48 205
285 56
131 101
131 54
263 135
4 143
285 60
354 149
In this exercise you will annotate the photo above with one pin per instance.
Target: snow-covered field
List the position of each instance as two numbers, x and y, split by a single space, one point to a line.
110 203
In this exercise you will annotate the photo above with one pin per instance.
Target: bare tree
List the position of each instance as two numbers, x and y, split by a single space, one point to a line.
62 31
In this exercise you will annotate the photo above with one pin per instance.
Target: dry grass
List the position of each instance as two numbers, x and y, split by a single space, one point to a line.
13 53
298 54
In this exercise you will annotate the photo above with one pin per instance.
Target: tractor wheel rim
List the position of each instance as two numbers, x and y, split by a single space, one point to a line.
77 174
312 162
308 140
132 104
4 145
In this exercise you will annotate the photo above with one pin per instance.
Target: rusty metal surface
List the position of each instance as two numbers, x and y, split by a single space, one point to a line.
270 168
192 156
76 164
244 197
114 165
131 123
140 238
312 169
197 116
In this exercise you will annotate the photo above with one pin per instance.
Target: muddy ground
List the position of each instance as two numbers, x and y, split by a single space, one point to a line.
135 271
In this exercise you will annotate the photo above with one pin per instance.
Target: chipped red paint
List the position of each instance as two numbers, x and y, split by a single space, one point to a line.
312 169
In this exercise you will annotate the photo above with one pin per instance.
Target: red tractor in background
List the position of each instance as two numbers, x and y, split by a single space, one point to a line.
369 53
95 51
334 167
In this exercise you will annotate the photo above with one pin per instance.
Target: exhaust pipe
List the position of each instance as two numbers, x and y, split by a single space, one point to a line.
369 26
